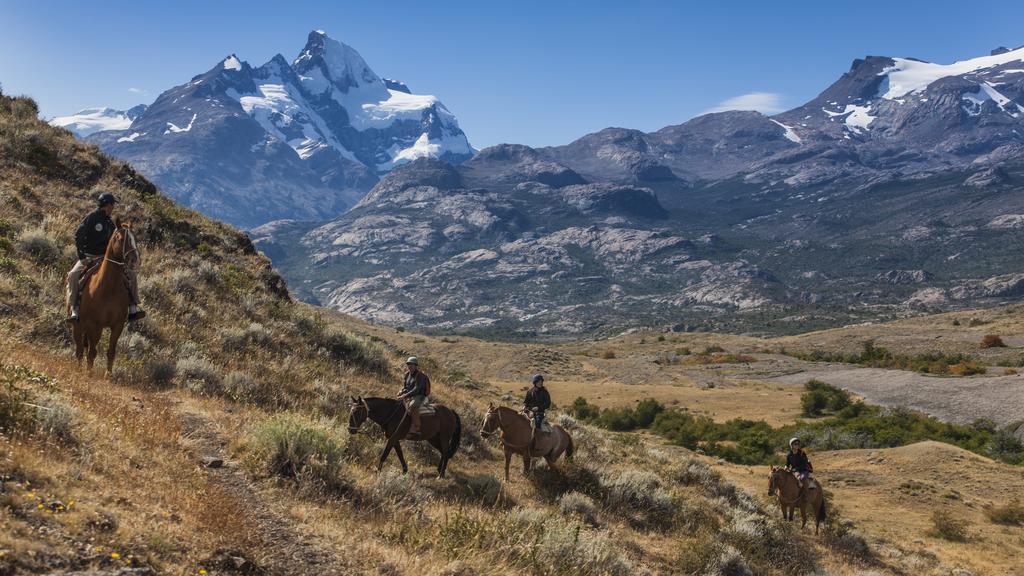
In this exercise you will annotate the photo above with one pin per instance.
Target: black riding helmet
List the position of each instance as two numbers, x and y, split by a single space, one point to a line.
106 199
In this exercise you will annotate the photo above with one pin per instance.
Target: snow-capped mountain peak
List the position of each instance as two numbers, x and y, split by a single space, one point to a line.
907 75
325 117
326 63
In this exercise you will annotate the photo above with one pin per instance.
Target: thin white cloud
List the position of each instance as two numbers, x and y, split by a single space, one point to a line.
137 91
763 102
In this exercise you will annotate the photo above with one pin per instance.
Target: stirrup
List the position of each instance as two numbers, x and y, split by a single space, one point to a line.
137 315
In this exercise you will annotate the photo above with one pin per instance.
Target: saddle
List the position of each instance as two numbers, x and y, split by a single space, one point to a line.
83 280
427 408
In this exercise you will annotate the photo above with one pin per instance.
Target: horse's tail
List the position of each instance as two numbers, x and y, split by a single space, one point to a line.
456 436
571 448
820 517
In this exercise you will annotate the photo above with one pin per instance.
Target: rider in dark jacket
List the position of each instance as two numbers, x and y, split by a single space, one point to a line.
537 401
91 239
797 461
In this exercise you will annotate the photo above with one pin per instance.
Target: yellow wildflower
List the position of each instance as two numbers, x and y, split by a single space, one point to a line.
115 555
202 570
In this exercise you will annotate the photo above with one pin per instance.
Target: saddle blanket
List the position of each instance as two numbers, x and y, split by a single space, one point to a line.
427 409
545 428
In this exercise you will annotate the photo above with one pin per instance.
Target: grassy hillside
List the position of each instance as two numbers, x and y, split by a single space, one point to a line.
220 447
101 474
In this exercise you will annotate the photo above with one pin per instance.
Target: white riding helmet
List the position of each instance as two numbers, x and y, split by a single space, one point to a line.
413 360
793 441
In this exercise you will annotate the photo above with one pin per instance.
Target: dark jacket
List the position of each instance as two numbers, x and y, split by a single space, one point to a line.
93 234
419 384
538 399
798 462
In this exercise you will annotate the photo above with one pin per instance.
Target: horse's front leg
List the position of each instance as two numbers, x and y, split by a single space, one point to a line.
401 457
115 335
508 461
527 460
803 516
384 454
93 342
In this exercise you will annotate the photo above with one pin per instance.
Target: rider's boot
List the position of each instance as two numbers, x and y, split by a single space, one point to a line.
135 313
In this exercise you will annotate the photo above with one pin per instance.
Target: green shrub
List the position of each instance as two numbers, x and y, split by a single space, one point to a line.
292 447
56 418
820 396
713 349
583 410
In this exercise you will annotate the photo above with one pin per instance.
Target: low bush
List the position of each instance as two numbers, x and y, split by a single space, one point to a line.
1010 514
255 334
819 397
640 491
698 359
292 447
56 418
713 349
608 354
159 373
199 374
948 527
878 357
992 341
38 246
392 488
578 505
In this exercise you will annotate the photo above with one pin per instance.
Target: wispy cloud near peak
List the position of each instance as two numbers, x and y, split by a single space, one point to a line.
763 102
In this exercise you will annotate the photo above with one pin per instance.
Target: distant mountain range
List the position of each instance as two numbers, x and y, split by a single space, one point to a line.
897 189
304 139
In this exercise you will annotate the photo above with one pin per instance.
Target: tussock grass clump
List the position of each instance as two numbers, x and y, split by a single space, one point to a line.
392 488
159 373
37 244
342 347
578 505
255 334
948 527
1010 514
608 354
199 374
531 539
56 418
308 452
992 341
640 492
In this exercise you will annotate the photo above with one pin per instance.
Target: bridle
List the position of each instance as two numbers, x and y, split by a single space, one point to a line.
129 241
774 485
500 425
362 404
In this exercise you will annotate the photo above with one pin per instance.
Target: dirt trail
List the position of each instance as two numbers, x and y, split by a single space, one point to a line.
957 400
284 548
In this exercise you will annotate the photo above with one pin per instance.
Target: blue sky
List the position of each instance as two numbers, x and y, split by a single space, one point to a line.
538 73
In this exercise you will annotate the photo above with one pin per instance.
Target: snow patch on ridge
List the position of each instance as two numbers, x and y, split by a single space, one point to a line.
175 129
92 120
232 63
907 76
790 134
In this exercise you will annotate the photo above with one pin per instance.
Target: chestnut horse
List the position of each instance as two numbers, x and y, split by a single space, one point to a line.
516 435
790 497
105 299
443 429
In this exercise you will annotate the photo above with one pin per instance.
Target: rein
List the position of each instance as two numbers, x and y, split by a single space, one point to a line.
501 426
129 238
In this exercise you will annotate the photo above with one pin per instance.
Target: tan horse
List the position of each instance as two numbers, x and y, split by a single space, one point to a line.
516 433
105 299
790 498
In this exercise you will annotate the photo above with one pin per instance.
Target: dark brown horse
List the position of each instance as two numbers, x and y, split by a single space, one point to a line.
105 299
792 498
443 429
517 438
